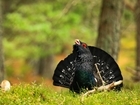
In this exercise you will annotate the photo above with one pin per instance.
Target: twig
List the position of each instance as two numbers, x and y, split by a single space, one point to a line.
131 70
103 82
67 7
101 88
129 5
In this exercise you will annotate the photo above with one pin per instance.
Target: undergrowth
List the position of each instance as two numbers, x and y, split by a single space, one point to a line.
34 94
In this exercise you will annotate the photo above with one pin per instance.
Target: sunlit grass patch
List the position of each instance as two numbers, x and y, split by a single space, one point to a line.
34 94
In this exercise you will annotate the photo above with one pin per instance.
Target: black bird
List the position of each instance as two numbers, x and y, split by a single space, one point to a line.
85 68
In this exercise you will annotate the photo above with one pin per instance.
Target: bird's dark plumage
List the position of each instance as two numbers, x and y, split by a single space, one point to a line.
79 69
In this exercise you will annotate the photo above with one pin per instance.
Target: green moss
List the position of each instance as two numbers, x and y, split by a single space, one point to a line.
33 94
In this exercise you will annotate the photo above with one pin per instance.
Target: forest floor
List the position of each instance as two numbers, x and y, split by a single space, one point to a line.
40 94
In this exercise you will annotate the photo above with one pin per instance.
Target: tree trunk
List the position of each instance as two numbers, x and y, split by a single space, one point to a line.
109 26
137 19
1 49
45 67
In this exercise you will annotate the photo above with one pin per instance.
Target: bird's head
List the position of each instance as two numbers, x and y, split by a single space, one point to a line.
80 47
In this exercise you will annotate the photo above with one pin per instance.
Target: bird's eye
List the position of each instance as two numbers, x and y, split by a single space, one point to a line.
84 45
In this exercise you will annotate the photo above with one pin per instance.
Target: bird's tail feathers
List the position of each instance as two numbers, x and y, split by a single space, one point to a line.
65 71
106 66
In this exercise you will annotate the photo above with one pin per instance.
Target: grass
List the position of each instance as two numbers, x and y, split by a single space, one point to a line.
33 94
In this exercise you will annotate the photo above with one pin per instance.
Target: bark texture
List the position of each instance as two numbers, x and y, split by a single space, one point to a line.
110 26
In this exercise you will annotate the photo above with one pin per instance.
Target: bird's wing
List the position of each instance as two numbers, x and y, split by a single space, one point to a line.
65 71
106 65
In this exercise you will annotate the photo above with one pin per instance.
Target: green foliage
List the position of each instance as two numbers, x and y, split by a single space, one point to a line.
33 94
44 28
127 19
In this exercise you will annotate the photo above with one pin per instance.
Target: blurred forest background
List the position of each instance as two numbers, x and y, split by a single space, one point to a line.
36 34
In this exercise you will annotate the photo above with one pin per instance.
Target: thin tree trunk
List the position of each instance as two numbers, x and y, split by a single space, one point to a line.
109 26
1 48
45 67
137 19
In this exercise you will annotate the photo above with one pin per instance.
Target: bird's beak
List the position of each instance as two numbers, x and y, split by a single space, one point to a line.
77 41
